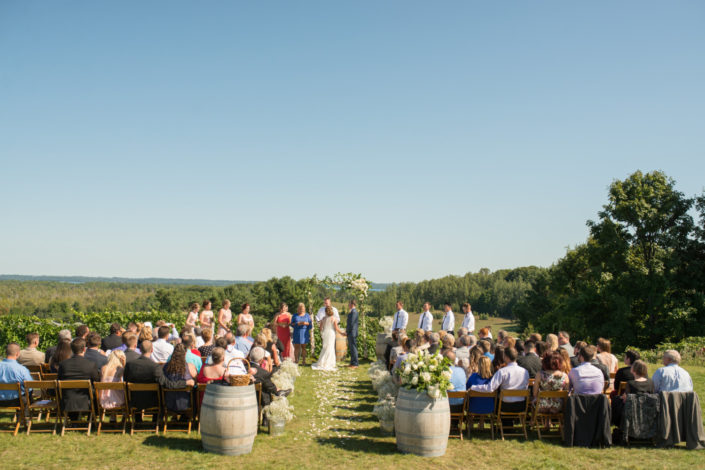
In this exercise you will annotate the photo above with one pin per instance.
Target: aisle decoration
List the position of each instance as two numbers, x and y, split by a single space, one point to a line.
384 410
278 413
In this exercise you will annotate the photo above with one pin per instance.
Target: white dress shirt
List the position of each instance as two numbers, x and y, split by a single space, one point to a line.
469 322
322 314
448 321
161 350
510 377
426 321
237 367
401 318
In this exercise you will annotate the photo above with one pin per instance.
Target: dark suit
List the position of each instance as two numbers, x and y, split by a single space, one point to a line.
77 368
531 363
268 388
96 357
143 370
111 342
131 355
351 330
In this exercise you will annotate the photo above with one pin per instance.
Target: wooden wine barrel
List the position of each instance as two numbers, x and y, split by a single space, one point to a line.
341 347
381 345
229 419
421 424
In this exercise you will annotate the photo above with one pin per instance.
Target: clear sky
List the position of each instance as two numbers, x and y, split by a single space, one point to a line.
404 140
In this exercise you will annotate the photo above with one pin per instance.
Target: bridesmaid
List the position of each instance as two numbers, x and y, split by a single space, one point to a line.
206 318
192 316
283 323
225 316
302 326
245 318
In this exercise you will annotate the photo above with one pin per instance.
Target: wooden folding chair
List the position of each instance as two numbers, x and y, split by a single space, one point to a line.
120 410
606 388
531 383
17 411
36 375
622 388
34 368
540 419
50 376
45 368
491 416
66 421
188 412
154 412
458 415
201 389
47 403
521 415
258 391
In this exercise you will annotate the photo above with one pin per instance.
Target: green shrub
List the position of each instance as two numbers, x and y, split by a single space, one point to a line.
691 349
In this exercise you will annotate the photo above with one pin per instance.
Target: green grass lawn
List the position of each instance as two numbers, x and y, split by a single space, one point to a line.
334 428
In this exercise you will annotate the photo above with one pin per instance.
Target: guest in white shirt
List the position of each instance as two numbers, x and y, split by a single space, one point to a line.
401 318
509 377
426 318
448 320
161 349
469 318
322 311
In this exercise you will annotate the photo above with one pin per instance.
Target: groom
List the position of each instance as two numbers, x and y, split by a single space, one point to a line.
351 331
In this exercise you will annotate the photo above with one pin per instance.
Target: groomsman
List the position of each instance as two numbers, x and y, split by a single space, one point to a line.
426 318
401 318
351 331
469 318
448 324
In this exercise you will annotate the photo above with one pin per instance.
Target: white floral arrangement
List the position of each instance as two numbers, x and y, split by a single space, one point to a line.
384 408
378 377
426 372
386 323
375 366
290 367
279 410
387 387
283 380
360 285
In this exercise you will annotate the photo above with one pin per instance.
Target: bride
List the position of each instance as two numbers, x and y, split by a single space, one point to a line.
329 327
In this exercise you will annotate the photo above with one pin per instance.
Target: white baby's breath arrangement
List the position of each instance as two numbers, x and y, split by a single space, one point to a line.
386 323
387 387
291 368
283 380
426 372
375 366
378 377
279 410
384 408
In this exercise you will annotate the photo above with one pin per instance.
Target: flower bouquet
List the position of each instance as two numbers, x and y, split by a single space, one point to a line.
386 323
278 413
426 372
291 368
387 386
384 410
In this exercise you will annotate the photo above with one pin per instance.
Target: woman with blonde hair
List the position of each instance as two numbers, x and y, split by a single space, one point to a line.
225 316
272 347
551 342
266 362
245 318
301 323
112 372
481 377
206 316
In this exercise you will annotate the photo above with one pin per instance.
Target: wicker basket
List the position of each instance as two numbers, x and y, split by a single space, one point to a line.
239 380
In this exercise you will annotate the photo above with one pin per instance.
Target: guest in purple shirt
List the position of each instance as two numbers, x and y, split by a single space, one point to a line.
586 379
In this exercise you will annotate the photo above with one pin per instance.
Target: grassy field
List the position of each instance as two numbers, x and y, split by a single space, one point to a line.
334 428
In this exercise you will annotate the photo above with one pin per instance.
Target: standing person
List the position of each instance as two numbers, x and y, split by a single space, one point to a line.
283 323
469 318
302 326
448 324
225 316
245 318
401 318
192 316
329 327
351 331
206 317
322 312
426 318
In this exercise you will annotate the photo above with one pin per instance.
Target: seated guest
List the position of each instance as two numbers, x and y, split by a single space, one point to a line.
113 371
672 377
509 377
422 339
230 352
208 346
447 344
146 371
501 336
499 360
552 378
396 351
434 343
551 343
509 342
145 335
541 348
12 372
605 356
61 353
187 340
485 347
63 335
462 332
265 378
458 379
463 352
641 383
519 346
114 340
530 360
93 351
406 349
586 378
535 337
564 343
484 333
178 369
131 350
82 331
77 368
624 374
214 372
274 347
603 368
267 362
243 344
31 356
199 341
566 360
161 348
473 361
574 359
483 376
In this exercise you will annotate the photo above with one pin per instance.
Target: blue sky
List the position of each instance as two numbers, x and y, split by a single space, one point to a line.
404 140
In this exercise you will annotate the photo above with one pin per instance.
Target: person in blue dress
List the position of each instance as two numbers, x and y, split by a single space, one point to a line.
301 322
481 377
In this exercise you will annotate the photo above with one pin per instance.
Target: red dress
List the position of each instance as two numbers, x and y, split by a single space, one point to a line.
284 334
202 379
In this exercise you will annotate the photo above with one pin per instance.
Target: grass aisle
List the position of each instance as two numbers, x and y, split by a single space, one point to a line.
334 428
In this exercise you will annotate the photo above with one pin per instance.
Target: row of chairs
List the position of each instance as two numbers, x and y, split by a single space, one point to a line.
498 414
42 400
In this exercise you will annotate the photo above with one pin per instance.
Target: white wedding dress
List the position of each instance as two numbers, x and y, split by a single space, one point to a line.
326 361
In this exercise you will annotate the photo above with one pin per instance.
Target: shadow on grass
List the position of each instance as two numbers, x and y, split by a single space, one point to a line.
185 444
357 444
361 408
357 418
